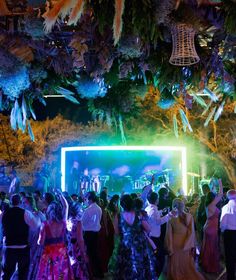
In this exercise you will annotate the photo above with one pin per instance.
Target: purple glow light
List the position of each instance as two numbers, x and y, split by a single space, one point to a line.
121 171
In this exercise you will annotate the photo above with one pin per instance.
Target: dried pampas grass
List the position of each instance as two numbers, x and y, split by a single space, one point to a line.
118 23
76 12
75 8
60 8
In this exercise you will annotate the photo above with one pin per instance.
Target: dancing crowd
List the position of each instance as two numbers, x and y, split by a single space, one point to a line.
129 236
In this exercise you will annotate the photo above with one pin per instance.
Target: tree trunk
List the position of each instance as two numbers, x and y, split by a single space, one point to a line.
229 168
228 164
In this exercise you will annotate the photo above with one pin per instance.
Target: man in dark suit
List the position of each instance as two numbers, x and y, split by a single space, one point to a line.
16 223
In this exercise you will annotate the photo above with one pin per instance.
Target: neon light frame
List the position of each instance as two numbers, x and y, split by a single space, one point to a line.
181 149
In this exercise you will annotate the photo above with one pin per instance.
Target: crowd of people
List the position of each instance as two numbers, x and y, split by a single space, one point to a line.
128 236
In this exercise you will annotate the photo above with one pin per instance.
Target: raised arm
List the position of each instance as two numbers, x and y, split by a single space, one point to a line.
219 195
41 235
64 204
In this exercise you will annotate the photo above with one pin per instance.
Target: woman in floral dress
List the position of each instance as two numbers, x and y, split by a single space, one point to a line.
135 259
55 262
76 246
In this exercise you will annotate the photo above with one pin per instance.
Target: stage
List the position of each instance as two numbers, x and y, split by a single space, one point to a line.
123 168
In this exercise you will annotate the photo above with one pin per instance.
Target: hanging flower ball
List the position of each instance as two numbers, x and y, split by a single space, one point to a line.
14 76
90 88
130 47
13 84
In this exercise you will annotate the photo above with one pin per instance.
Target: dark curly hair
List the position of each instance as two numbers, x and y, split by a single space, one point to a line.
127 202
75 211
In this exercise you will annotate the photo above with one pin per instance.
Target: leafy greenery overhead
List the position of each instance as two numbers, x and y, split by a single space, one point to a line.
113 54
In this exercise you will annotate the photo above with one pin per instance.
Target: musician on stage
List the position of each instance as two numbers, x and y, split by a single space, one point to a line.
75 177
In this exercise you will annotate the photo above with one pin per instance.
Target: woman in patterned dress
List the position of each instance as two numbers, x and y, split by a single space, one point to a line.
55 262
76 246
135 259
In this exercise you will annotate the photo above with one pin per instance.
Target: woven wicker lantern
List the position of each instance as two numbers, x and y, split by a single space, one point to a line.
183 47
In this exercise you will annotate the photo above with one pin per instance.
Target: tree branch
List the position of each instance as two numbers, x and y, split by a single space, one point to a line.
160 120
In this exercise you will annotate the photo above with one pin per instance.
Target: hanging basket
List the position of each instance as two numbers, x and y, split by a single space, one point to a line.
183 47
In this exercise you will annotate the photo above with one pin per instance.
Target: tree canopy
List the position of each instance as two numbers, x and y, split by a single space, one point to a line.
111 52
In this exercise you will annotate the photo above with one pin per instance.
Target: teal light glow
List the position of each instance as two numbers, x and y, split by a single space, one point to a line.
181 149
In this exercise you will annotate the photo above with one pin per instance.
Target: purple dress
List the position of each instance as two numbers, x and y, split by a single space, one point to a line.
210 253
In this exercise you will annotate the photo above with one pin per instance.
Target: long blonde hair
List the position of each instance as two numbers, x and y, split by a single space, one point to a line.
180 206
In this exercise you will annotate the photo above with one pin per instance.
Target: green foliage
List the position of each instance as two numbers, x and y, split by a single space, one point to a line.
50 136
141 57
230 18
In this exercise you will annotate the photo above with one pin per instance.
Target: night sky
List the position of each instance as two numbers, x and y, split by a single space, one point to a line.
74 112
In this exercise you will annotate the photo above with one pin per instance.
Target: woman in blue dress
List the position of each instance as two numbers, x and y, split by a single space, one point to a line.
135 259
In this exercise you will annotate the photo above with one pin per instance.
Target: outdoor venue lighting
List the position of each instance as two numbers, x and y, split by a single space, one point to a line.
181 149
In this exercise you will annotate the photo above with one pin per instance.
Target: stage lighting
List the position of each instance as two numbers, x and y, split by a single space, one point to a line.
180 149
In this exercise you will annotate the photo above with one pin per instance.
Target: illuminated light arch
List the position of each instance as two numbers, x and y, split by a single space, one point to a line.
181 149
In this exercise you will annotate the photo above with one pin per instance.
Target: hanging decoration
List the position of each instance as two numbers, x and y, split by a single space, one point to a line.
61 9
76 12
121 127
219 111
130 47
14 76
183 47
210 116
185 121
13 83
175 125
90 88
74 9
118 22
67 94
121 50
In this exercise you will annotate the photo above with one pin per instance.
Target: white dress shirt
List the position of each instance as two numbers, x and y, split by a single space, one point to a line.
91 218
155 220
228 216
145 193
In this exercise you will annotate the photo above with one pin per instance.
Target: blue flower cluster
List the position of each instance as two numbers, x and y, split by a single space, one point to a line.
88 88
13 83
